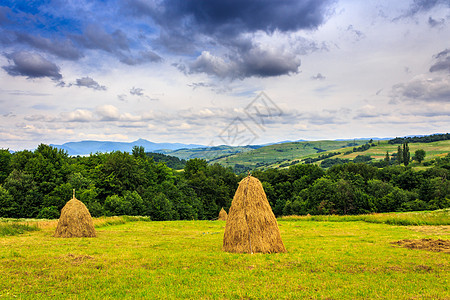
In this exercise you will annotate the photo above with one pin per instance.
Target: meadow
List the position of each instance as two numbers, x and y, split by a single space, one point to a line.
329 257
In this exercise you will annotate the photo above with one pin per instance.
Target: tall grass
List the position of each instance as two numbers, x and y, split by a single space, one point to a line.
15 228
437 217
111 221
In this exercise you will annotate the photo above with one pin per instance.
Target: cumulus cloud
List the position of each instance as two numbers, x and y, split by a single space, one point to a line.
108 113
423 88
442 61
214 65
79 115
256 60
32 65
433 87
90 83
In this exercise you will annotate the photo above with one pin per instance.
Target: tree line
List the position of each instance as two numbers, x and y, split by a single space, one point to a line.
37 184
421 139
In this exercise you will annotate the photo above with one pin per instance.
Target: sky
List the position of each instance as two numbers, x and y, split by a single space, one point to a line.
216 72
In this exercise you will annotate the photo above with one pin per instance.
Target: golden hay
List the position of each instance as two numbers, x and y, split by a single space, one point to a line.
251 225
223 215
75 221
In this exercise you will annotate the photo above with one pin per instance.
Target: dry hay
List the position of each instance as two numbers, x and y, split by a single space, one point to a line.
251 225
75 221
223 215
426 244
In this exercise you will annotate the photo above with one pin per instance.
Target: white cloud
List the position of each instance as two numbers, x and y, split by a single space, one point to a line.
108 112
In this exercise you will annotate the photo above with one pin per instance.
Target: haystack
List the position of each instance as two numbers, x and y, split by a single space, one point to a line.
223 215
75 221
251 225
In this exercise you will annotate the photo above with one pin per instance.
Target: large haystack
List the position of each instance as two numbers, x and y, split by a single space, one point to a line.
75 221
251 225
223 215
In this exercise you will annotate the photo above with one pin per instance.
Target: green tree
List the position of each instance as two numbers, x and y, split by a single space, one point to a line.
406 154
399 155
387 158
161 208
419 155
138 152
137 204
51 212
5 164
117 206
25 193
8 207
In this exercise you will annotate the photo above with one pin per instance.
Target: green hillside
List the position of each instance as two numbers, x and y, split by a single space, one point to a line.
208 153
286 154
377 152
281 153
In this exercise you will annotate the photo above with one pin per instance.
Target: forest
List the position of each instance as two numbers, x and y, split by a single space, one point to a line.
37 184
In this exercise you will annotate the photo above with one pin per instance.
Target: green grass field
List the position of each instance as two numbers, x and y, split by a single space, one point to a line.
279 153
433 150
334 258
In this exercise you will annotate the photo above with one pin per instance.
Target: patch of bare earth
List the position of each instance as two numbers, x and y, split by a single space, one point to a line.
426 244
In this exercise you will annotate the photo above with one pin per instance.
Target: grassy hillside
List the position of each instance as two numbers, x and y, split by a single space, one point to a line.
208 153
285 154
378 152
184 260
279 153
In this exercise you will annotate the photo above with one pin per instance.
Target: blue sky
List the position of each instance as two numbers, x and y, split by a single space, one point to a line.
192 71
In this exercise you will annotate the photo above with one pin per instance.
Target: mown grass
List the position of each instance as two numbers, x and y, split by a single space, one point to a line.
437 217
184 260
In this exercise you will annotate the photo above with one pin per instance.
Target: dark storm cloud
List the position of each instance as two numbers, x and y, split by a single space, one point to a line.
234 16
442 61
189 26
95 37
256 62
89 83
61 48
246 58
31 65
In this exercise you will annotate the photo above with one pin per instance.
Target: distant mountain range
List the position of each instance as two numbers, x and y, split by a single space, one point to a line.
87 147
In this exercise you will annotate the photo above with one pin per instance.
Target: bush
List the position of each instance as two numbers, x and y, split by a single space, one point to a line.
50 212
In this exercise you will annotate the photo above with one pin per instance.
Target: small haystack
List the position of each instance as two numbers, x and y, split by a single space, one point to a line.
251 225
222 215
75 220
